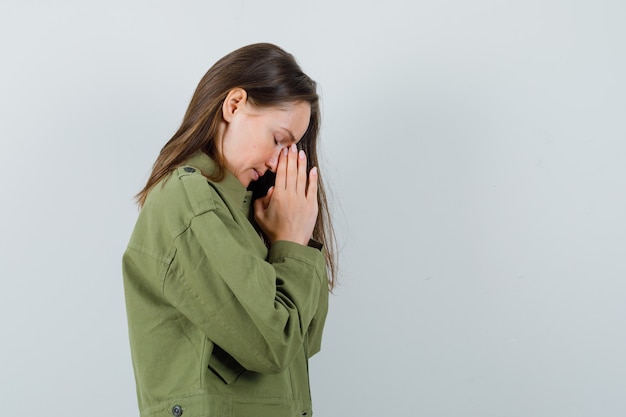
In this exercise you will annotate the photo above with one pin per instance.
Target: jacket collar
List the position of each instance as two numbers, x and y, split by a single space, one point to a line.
230 187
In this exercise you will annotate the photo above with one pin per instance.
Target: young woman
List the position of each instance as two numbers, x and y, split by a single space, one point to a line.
227 281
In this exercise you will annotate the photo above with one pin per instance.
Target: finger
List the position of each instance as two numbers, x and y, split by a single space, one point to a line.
281 171
311 192
292 168
301 185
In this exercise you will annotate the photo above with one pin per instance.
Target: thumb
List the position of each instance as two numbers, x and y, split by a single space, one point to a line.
268 197
259 208
261 204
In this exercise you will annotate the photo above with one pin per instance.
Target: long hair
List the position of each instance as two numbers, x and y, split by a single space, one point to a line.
271 77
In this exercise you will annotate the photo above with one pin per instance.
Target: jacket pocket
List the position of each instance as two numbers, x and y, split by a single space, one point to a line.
224 366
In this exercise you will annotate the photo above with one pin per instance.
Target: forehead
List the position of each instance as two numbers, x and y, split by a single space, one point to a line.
293 117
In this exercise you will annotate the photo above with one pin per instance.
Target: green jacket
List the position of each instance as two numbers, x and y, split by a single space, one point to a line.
219 325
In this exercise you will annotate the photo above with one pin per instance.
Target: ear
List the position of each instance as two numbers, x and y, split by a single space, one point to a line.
235 100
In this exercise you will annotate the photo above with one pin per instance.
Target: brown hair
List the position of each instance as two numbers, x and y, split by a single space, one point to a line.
271 77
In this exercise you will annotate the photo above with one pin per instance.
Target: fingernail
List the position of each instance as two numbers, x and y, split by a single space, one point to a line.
285 150
294 148
314 171
301 154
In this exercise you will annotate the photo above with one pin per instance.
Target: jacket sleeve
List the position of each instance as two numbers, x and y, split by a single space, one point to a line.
314 335
257 310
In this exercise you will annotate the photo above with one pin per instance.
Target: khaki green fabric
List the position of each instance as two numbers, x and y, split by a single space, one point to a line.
219 325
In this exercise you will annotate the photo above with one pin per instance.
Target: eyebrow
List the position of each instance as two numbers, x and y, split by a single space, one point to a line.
291 136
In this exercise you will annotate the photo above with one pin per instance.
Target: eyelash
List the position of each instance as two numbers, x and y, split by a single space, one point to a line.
275 141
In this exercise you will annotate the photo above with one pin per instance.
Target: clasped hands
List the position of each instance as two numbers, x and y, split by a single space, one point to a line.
289 210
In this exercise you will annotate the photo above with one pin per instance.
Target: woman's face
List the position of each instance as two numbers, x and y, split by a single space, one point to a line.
252 137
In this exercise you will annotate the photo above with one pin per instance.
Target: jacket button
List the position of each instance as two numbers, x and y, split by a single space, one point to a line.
177 411
189 169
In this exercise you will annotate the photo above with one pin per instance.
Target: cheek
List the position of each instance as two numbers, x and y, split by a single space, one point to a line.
266 152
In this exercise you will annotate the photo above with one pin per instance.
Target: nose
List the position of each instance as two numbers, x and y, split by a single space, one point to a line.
272 163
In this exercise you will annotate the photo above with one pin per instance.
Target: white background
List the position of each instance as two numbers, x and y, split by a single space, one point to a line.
476 154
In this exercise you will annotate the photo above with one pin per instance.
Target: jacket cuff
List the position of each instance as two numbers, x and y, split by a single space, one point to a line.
285 249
